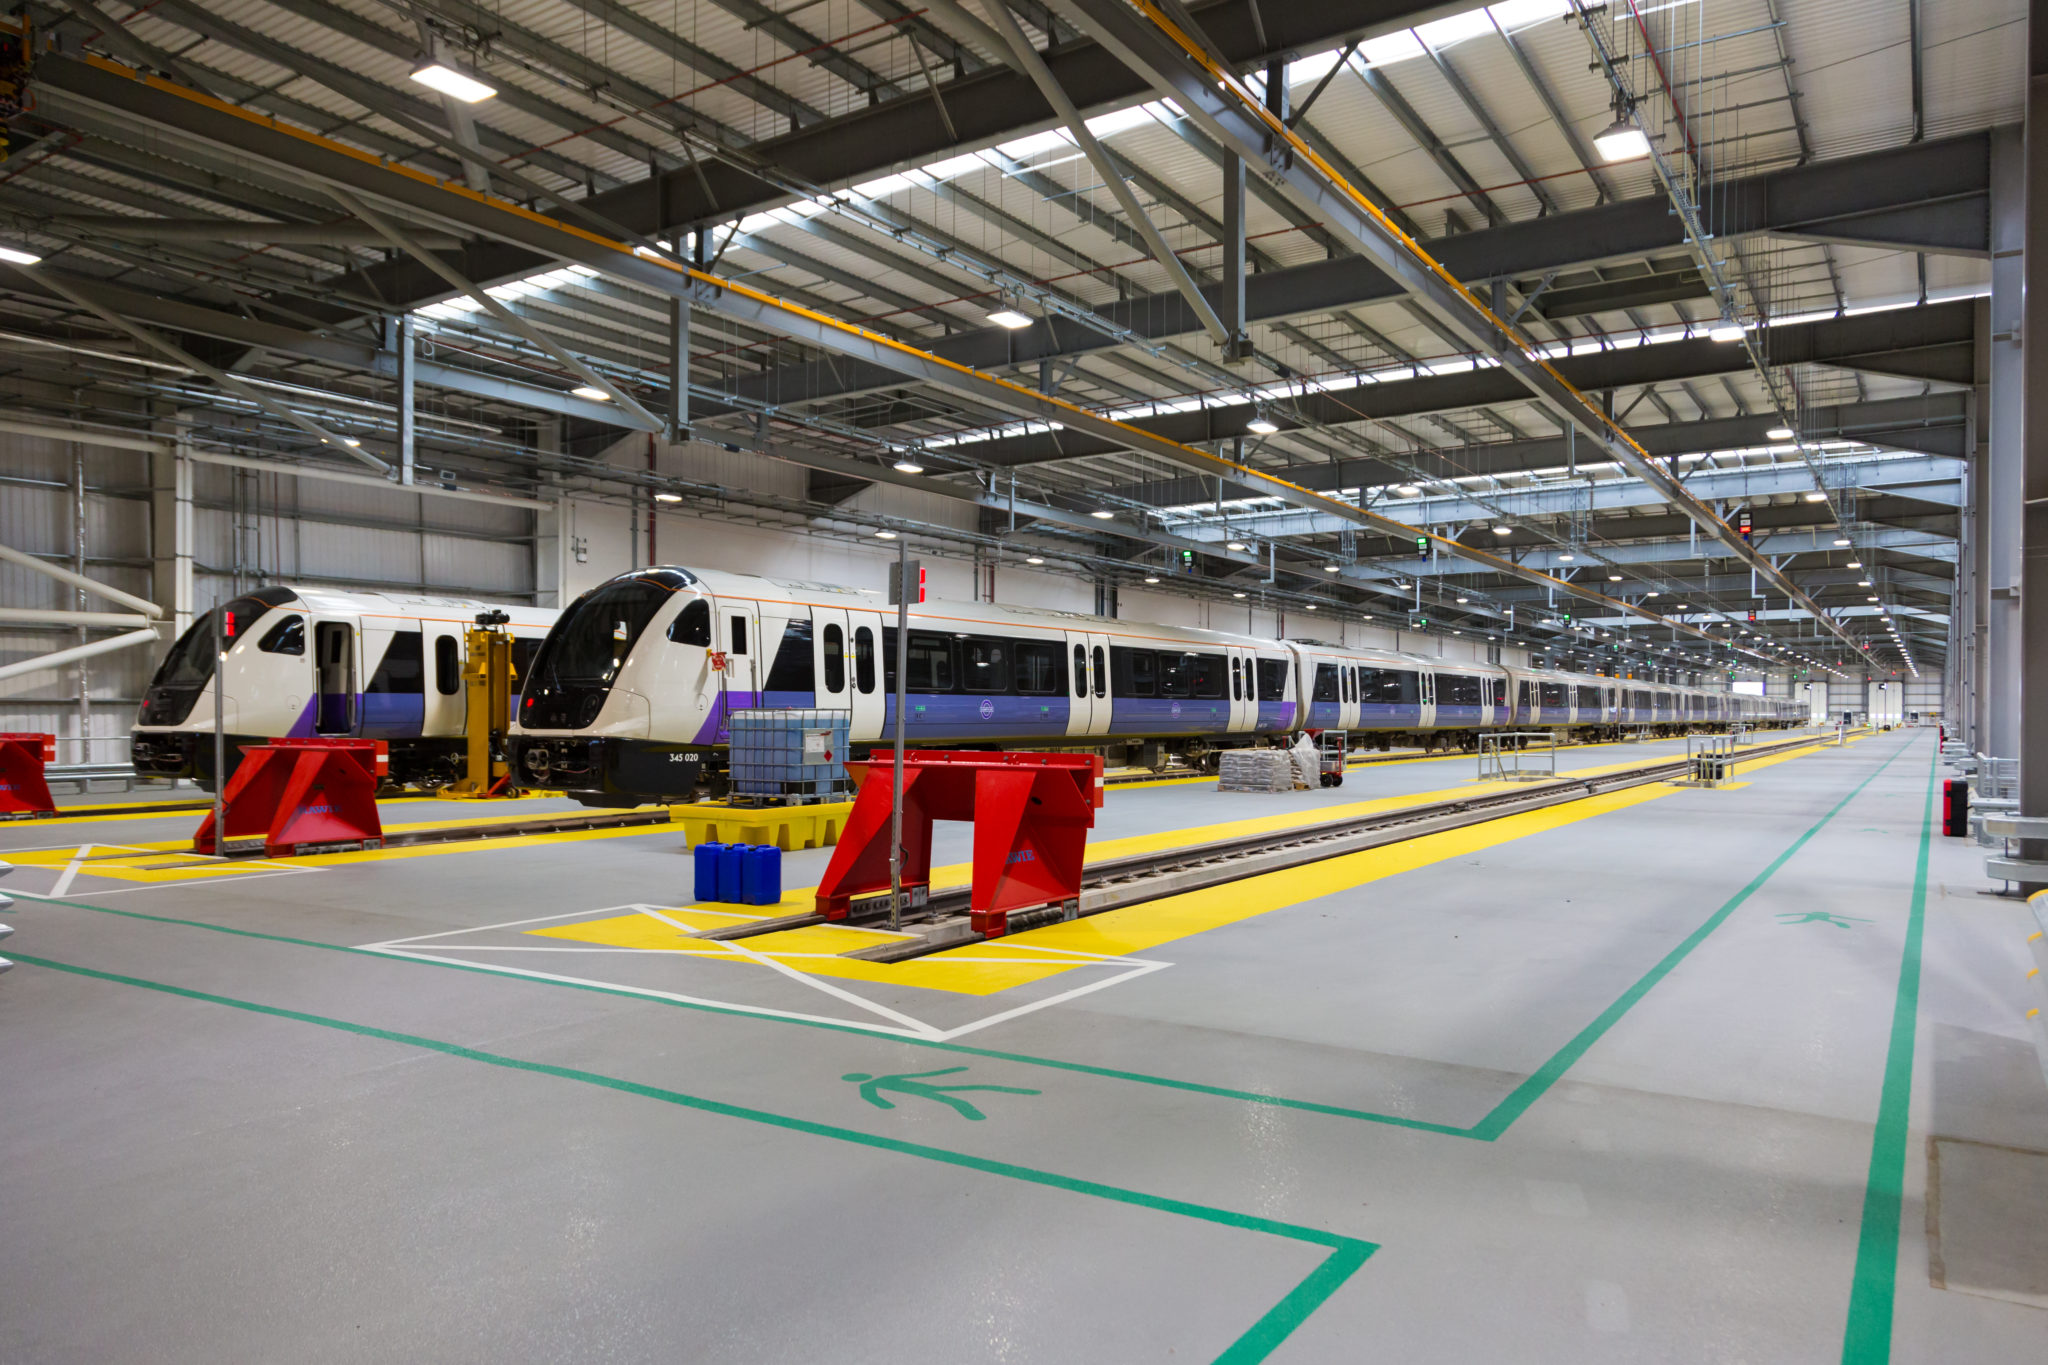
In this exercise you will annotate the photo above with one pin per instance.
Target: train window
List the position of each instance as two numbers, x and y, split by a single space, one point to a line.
1208 676
1500 691
1038 669
404 667
930 658
835 660
985 665
1456 689
1273 678
738 634
1176 675
1551 694
286 637
1236 680
1522 697
693 626
524 647
447 666
1589 698
1101 674
864 660
1349 676
1326 683
1080 671
793 670
1137 671
1389 687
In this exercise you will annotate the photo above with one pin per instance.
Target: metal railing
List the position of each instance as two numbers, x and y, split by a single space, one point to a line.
1524 748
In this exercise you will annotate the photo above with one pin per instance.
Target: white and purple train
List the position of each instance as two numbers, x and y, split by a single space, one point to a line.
627 699
316 661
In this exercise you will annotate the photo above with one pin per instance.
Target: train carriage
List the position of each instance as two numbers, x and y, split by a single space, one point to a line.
305 661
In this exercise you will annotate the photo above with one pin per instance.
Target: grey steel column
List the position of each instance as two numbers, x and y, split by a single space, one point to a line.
1998 519
402 344
1238 346
677 415
2030 508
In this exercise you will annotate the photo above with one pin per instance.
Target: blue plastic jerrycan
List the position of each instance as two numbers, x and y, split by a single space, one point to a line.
761 879
707 871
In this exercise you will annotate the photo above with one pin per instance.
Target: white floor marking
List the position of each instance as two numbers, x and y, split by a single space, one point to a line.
861 1024
70 871
804 978
1049 1001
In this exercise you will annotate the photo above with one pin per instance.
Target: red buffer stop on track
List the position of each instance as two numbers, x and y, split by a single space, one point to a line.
24 788
1031 815
290 795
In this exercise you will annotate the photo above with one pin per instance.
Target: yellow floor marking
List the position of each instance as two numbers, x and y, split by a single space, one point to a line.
986 968
141 862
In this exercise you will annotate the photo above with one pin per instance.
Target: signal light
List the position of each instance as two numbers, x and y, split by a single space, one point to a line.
227 625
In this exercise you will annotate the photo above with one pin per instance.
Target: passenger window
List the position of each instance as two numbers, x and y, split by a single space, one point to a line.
1236 680
447 666
1038 669
1144 673
1080 671
402 666
693 625
1101 674
792 671
286 637
835 659
738 634
985 666
1328 688
864 660
1273 679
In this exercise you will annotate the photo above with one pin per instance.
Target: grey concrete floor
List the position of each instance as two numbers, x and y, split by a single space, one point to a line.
1597 1088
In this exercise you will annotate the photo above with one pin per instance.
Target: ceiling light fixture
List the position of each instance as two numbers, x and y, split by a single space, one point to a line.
1816 496
1621 140
14 257
1102 514
1333 568
1236 545
885 535
453 83
1406 490
1779 434
1151 579
585 391
1727 329
1010 318
1237 594
1033 559
1262 425
1564 559
1841 540
909 467
1503 530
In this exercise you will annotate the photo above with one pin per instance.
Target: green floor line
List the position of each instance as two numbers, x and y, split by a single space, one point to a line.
1347 1253
1486 1129
1529 1091
1867 1339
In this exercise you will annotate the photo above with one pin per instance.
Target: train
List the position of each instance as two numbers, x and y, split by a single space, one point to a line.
628 699
305 661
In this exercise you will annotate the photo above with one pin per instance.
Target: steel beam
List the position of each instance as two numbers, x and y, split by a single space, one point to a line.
2033 470
1954 173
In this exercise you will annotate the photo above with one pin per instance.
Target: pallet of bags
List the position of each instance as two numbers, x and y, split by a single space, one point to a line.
1256 770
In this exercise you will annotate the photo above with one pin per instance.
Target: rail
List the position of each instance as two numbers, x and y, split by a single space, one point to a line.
1115 883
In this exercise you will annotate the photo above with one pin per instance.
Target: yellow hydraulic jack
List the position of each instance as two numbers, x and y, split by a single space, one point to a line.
487 690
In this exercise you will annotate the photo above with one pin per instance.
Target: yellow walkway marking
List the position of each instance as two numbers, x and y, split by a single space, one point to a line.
986 968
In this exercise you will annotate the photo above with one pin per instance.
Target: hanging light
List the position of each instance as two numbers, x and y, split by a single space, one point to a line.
1262 424
908 467
885 535
1236 545
1727 329
1779 434
15 257
1333 568
1151 579
1102 514
453 83
1406 490
589 394
1622 140
1010 318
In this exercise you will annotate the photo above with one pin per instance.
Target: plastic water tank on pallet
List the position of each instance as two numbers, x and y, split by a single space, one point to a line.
792 755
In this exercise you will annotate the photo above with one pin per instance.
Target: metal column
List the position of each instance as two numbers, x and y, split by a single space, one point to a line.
1238 343
170 533
1997 521
402 342
2030 508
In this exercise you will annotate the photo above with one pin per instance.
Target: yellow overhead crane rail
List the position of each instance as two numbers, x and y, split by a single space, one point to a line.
1030 399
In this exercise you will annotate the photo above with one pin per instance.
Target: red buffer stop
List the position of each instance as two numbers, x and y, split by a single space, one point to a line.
24 789
1031 815
291 795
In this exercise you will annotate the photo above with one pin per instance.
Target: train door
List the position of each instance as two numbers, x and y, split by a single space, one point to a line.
1428 710
334 677
832 659
739 635
1088 699
864 674
1244 691
446 702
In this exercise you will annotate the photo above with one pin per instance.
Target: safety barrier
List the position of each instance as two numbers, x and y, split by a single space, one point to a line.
1031 815
1495 751
24 787
296 795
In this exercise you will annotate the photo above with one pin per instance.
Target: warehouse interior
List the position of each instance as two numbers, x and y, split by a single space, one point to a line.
1566 893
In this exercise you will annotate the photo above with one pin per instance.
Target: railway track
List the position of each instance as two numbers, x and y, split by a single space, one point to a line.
1114 883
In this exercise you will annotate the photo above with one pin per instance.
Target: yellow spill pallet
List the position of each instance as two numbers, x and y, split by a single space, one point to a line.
787 827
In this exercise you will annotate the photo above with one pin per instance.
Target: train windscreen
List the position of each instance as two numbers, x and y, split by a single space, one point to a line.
582 655
185 671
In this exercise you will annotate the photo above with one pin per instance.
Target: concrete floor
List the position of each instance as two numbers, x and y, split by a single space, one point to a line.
1638 1080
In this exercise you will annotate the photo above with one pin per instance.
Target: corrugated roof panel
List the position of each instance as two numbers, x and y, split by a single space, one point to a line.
1973 63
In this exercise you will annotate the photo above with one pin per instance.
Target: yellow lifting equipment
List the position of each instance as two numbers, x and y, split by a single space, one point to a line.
487 678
